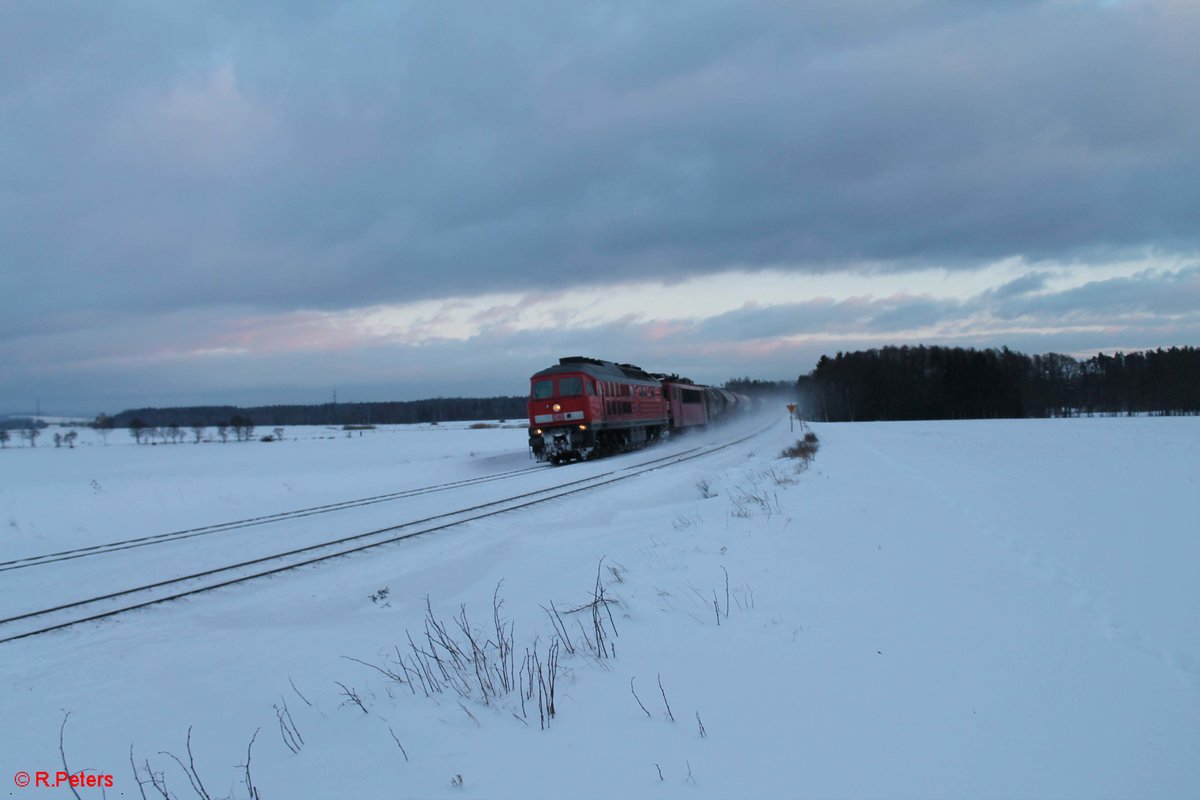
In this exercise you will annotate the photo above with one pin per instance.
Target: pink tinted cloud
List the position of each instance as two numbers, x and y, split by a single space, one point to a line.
663 330
292 332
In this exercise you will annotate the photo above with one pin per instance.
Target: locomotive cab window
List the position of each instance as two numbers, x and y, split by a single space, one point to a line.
543 389
569 387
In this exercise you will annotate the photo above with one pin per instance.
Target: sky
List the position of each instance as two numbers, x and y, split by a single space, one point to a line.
267 202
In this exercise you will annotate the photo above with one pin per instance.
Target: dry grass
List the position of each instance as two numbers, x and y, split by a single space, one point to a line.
804 449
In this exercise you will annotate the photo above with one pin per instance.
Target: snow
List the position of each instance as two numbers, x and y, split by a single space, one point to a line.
935 609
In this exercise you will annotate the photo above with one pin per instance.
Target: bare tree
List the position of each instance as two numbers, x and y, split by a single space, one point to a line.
69 438
223 432
4 437
243 427
278 433
104 424
31 434
198 431
175 432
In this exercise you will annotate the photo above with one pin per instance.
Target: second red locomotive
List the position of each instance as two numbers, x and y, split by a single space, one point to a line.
583 408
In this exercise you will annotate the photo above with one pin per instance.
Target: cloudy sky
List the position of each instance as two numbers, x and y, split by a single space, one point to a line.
262 202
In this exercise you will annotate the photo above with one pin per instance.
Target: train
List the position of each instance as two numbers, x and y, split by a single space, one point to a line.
583 408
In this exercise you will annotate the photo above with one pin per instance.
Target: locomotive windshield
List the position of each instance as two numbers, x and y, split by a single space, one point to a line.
569 387
543 389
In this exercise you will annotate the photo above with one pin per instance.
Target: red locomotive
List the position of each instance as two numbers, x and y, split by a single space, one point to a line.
584 408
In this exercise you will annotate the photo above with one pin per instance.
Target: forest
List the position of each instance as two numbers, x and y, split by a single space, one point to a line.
897 383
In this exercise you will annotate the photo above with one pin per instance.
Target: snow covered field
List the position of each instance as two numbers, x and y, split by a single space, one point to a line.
943 609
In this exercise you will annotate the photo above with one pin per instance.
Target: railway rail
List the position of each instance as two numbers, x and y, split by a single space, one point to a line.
112 604
207 530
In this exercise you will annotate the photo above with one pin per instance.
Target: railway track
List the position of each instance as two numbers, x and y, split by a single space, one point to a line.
112 604
208 530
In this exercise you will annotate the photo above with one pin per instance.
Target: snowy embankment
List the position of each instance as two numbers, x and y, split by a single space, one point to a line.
955 609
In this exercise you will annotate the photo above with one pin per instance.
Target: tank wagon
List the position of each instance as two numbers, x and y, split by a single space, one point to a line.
584 408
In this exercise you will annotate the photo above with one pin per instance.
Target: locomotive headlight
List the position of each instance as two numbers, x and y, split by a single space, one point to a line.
537 432
583 427
556 408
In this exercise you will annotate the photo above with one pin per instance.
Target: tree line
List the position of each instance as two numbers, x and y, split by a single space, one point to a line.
752 387
894 383
439 409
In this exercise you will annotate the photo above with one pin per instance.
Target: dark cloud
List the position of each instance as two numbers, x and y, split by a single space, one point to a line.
790 319
1029 282
325 155
179 159
1148 294
826 318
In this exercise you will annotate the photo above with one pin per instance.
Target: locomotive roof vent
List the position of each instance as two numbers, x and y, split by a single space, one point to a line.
636 372
582 360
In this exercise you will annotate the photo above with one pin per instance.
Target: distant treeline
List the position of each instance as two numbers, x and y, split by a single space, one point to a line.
390 413
895 383
752 387
20 423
